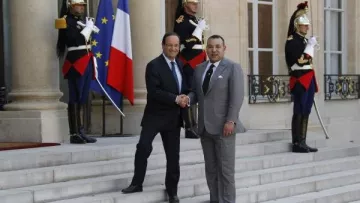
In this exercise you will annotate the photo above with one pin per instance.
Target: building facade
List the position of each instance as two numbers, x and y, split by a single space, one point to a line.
255 33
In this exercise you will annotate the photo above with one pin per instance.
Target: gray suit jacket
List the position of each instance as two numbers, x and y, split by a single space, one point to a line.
223 99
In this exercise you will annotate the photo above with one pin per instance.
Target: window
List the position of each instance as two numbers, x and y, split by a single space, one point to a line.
262 37
335 50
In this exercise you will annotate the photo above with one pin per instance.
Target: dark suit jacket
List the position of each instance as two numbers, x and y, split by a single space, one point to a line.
161 112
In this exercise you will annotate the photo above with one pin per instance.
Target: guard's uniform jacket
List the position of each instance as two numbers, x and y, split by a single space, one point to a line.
192 52
299 63
79 54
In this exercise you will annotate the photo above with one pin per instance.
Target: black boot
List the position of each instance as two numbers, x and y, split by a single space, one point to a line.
304 125
190 124
297 139
73 125
81 130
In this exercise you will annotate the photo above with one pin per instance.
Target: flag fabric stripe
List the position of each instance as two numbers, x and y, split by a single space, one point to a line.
122 41
124 74
120 71
123 5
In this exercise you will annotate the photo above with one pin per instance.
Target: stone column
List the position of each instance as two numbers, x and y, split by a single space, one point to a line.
146 35
35 113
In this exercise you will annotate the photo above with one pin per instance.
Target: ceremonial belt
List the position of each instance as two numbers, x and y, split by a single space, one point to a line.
82 47
304 80
79 65
297 67
194 61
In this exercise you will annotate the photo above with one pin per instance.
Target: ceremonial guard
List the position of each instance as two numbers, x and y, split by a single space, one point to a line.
190 30
299 55
74 36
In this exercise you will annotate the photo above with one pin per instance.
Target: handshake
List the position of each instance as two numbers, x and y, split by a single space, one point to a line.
183 100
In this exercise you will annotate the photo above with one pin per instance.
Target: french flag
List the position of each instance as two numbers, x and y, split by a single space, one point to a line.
120 70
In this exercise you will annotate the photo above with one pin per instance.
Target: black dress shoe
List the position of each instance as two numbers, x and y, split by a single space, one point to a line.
76 139
132 189
174 199
300 148
88 139
311 149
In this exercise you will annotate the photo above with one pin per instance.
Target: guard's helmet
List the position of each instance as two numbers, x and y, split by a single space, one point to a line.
190 1
299 17
77 2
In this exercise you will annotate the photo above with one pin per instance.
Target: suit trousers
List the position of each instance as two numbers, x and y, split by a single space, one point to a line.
219 156
171 143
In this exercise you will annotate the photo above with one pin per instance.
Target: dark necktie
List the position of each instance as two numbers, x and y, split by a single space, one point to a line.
207 78
174 74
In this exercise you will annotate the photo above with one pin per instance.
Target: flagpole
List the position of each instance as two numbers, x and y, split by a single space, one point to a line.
88 8
122 120
103 116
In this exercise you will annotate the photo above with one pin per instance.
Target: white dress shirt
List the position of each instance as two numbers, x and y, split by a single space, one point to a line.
178 73
216 64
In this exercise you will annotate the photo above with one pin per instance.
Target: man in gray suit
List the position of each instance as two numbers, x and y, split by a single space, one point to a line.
218 87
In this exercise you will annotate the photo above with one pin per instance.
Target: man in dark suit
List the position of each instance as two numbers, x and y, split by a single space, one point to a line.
165 83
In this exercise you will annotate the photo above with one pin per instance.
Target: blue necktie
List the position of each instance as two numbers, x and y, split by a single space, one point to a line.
174 74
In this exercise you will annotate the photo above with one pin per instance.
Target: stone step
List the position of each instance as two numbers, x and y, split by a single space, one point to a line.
253 194
47 175
90 186
342 194
109 148
69 155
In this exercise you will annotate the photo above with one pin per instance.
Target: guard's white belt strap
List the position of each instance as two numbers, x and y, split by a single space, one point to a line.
297 67
79 47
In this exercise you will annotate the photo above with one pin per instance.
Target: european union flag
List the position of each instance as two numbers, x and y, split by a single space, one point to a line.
101 44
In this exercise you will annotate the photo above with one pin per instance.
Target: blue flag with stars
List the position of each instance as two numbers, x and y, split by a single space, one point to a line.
101 44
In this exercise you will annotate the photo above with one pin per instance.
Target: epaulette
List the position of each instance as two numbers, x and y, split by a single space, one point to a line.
60 23
180 19
290 37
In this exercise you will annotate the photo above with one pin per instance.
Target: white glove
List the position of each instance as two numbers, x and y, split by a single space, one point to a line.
202 24
200 27
89 22
89 28
312 41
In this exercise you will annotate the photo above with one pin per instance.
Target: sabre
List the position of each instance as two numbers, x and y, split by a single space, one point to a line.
315 104
321 122
103 89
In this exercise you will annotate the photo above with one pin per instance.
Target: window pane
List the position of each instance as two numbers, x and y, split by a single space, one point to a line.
335 33
265 26
250 24
251 62
265 1
335 4
335 64
265 63
325 30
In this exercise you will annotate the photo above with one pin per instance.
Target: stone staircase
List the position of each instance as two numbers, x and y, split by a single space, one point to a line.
265 172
